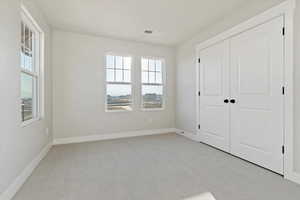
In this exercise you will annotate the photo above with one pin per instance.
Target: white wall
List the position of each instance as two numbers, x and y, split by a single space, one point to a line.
297 87
186 71
18 146
79 83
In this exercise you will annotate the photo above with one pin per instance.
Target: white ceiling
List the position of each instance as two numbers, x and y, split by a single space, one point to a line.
172 21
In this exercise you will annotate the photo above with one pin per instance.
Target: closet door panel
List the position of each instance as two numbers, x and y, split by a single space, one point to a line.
256 85
214 87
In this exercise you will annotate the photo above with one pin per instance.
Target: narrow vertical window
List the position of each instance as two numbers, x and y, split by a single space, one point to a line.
152 84
118 83
30 67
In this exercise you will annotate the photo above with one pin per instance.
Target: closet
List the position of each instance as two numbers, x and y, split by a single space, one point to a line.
241 102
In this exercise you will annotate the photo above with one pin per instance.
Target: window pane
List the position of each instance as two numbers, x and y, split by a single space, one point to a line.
119 75
110 75
119 62
127 76
31 40
110 63
23 57
28 62
145 77
27 37
27 48
22 33
127 62
151 77
158 66
119 97
152 96
159 77
144 64
151 65
27 83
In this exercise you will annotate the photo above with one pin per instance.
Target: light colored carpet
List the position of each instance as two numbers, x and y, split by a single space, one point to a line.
162 167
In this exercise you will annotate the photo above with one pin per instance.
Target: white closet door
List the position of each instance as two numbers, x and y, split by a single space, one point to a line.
214 88
256 85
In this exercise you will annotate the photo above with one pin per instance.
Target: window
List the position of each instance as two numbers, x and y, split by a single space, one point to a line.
118 83
30 68
152 84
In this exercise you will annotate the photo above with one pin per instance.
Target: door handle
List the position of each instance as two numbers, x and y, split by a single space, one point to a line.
232 101
226 101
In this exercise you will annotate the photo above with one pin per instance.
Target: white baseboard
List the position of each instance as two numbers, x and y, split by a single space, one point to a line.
187 134
20 180
91 138
294 176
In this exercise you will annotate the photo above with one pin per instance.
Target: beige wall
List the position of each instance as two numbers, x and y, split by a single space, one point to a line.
19 145
79 83
186 71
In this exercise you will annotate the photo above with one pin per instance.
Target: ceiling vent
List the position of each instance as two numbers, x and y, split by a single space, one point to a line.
148 31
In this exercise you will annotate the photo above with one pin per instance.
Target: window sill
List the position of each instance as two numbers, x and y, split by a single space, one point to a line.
152 109
118 111
29 122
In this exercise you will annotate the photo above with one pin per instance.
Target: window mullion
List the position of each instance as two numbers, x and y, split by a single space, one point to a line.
155 71
123 76
153 84
115 68
148 72
118 83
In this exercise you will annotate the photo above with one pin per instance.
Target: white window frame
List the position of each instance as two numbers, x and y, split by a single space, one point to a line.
38 64
163 84
118 83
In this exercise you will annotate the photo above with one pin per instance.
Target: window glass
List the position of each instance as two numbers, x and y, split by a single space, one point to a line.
152 96
145 65
119 75
118 86
127 63
119 97
152 84
110 62
27 44
27 87
145 77
119 62
127 76
151 65
158 66
151 77
158 78
110 75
